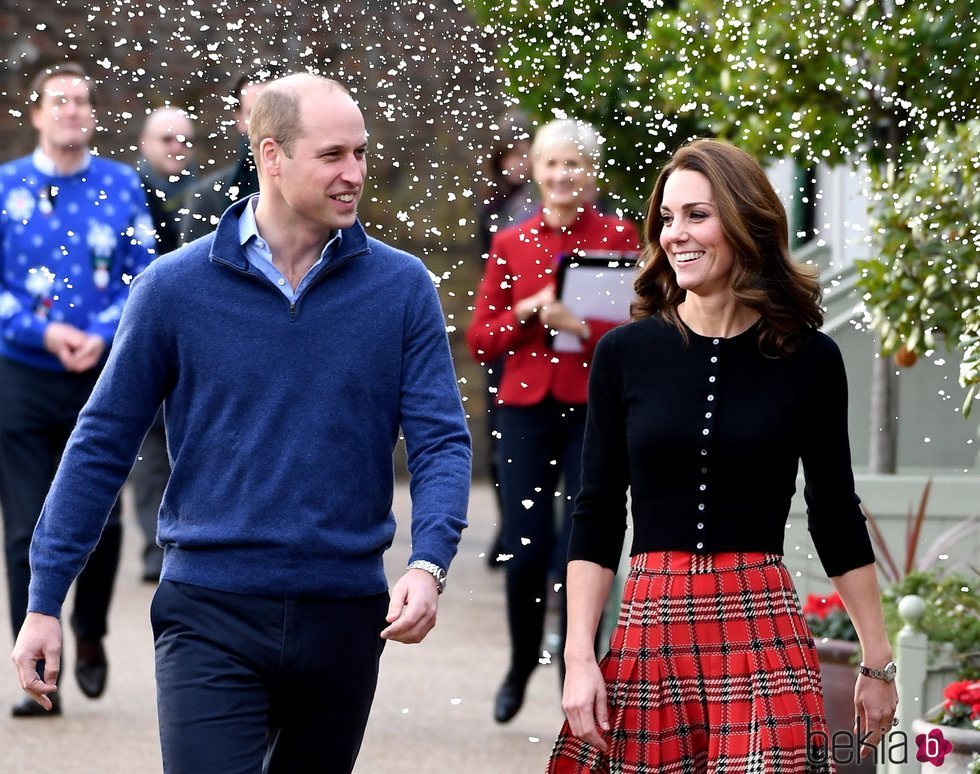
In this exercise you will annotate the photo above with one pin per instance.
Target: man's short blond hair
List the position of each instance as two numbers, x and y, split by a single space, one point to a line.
276 114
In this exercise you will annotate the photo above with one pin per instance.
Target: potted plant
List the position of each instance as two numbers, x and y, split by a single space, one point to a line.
952 619
948 738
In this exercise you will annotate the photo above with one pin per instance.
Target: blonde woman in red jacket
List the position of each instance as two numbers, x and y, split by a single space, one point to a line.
542 395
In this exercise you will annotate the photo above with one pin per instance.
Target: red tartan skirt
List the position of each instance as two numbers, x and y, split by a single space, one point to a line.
711 668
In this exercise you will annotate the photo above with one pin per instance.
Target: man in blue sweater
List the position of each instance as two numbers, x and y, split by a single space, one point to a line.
288 348
73 229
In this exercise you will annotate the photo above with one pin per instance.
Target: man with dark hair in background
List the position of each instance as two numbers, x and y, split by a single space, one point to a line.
209 198
74 229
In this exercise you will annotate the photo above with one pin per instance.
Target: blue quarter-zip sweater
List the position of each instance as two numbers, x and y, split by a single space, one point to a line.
281 421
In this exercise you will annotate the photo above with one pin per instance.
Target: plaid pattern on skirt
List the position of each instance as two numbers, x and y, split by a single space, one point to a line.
711 668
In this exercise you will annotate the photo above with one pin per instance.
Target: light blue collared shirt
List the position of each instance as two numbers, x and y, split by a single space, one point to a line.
260 256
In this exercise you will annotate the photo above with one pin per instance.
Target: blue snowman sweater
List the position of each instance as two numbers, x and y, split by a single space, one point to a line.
69 245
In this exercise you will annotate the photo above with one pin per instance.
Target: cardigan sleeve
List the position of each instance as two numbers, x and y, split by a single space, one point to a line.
835 520
599 520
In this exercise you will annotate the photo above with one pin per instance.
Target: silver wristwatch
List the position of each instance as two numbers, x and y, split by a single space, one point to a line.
433 569
886 673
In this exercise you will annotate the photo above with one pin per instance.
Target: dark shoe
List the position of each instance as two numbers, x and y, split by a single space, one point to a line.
91 667
510 697
28 708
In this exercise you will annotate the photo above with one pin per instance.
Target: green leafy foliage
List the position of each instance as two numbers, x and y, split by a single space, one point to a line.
926 219
970 366
843 81
823 82
582 60
952 613
827 617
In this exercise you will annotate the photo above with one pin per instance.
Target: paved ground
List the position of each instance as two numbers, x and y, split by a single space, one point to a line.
432 711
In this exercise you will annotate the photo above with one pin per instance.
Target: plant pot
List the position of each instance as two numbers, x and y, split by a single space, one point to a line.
965 742
838 673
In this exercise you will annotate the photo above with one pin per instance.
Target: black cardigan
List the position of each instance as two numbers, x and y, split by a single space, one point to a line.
708 436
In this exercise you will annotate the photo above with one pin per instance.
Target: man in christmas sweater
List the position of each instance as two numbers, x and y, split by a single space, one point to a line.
74 229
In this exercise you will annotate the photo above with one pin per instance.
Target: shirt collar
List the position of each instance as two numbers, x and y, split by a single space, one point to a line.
248 228
46 165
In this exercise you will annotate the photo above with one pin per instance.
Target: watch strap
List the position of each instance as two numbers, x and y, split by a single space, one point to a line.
433 569
886 673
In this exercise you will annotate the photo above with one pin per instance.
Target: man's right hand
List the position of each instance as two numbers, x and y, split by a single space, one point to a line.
63 341
39 638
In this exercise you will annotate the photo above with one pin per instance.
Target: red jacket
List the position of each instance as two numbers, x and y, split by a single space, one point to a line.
522 262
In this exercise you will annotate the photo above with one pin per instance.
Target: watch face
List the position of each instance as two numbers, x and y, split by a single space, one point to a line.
890 670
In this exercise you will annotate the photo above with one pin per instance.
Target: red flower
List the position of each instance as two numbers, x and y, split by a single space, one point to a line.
952 691
820 606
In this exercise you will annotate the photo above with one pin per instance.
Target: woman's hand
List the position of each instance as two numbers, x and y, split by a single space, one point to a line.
584 701
526 308
875 702
556 315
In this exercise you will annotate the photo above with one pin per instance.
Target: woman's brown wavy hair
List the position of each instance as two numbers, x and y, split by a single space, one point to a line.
764 276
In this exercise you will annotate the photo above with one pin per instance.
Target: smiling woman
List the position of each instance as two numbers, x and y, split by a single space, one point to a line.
540 403
692 235
703 408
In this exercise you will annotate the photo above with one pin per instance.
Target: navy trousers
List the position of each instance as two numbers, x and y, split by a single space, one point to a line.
38 410
539 446
249 684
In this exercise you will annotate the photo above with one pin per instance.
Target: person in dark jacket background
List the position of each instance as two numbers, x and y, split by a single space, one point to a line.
166 142
209 198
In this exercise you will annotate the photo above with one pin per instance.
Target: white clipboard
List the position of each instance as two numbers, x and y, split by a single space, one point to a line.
595 285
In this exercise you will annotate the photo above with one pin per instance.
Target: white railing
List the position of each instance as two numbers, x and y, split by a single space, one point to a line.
911 656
